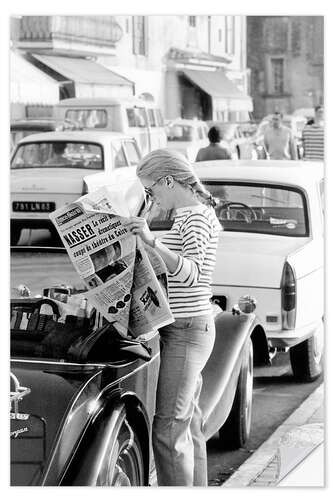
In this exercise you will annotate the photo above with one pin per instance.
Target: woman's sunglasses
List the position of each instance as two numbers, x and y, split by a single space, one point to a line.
149 190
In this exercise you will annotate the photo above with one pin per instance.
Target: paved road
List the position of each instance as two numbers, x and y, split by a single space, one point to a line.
276 395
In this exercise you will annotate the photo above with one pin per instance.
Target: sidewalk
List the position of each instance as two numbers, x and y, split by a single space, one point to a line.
294 440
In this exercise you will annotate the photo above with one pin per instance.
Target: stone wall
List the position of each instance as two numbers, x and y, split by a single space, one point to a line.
299 41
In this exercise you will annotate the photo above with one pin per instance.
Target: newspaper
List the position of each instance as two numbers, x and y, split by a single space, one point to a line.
126 280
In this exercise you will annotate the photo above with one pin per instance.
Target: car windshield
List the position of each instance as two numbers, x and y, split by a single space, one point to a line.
58 154
184 133
251 208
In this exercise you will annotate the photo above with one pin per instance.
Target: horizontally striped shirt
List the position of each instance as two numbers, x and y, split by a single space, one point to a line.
194 237
313 142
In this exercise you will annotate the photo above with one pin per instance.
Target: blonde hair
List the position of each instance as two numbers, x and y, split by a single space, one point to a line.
162 162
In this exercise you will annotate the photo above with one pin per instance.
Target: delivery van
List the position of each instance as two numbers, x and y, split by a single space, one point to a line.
133 116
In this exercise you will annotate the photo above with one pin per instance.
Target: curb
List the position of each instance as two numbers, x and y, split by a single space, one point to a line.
264 466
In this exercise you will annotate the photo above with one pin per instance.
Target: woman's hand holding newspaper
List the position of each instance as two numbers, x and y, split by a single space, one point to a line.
138 225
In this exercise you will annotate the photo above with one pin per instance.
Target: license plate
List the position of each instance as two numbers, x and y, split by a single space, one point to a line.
33 206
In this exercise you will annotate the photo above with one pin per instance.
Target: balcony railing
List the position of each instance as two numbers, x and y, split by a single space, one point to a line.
99 31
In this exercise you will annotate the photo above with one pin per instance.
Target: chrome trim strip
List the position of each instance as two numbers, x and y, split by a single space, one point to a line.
62 363
254 287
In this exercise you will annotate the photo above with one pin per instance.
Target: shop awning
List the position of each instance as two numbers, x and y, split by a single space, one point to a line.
224 92
29 85
91 79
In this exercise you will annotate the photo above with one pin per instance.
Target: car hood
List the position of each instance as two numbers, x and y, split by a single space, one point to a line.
51 180
33 435
253 260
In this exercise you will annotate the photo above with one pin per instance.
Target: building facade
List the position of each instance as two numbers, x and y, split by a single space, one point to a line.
192 66
172 58
286 58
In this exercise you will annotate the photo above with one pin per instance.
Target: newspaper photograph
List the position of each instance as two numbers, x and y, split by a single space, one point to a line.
126 280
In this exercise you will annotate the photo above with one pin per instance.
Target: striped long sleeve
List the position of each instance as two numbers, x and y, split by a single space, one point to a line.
195 234
194 237
313 142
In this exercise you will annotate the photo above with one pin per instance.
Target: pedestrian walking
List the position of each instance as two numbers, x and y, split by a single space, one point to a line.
279 141
214 151
313 137
189 252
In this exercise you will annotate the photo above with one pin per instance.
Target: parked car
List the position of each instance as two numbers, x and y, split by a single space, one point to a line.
24 127
187 136
41 181
239 143
139 118
83 400
294 123
271 248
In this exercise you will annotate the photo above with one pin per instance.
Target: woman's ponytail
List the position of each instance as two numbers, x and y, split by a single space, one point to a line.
204 194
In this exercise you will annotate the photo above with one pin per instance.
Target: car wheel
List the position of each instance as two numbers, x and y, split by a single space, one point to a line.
123 464
305 358
15 234
236 430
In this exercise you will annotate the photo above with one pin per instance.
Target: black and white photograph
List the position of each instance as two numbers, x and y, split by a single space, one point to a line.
212 126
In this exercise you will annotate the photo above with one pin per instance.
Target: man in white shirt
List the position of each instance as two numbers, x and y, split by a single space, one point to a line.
279 140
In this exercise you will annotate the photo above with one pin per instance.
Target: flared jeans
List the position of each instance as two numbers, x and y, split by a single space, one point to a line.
178 441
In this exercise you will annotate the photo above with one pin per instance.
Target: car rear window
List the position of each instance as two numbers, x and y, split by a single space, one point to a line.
90 118
60 154
250 208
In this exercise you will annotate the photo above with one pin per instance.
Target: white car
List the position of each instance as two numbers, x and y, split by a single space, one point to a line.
187 137
272 249
52 169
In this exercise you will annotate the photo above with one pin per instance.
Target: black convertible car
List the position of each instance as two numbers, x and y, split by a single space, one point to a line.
83 398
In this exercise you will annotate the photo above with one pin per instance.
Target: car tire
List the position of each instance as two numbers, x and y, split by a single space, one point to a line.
123 464
15 234
305 358
236 430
